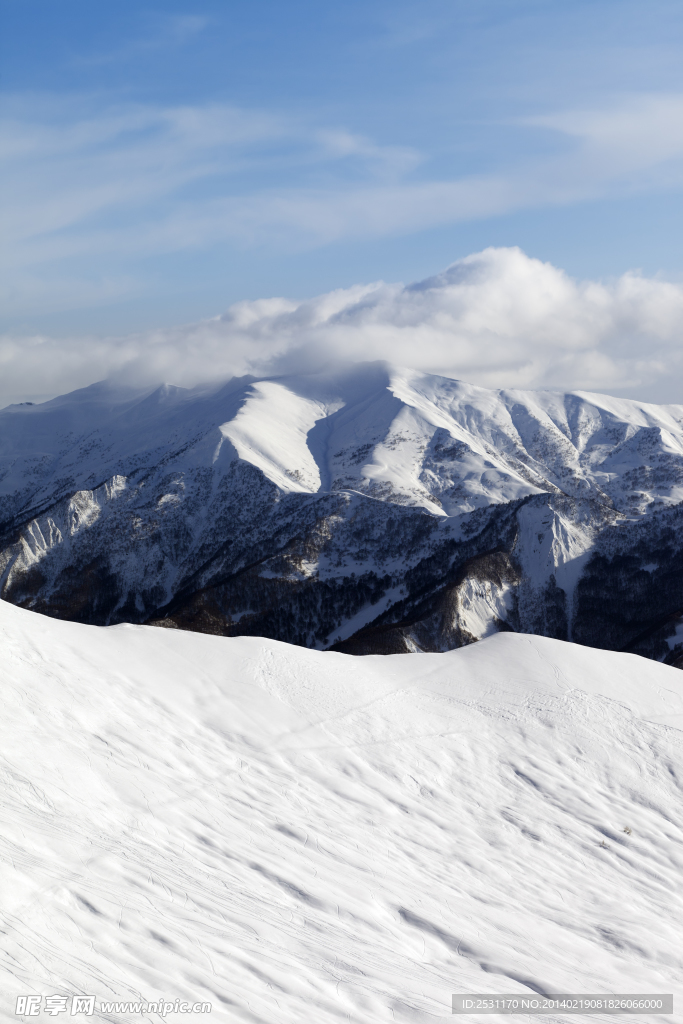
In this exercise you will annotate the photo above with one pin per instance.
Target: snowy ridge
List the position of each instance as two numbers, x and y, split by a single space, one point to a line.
314 508
294 835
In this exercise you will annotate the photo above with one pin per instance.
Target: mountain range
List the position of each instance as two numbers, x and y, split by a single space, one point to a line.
368 509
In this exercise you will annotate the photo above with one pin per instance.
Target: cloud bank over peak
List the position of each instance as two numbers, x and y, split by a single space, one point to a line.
498 318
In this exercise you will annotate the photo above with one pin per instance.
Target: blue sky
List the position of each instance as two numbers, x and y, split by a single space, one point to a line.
162 162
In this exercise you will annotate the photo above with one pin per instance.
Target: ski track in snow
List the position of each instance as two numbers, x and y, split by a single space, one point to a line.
298 836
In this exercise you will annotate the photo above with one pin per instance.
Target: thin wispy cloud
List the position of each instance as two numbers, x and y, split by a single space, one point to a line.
169 32
633 142
497 318
136 181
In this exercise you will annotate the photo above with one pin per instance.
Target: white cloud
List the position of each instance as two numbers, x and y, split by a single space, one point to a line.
497 318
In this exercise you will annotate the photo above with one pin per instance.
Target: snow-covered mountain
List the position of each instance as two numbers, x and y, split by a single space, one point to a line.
298 836
373 509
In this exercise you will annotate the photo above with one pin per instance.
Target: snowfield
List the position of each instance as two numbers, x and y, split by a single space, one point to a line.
302 836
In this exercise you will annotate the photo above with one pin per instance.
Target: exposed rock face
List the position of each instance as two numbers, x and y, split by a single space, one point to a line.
372 511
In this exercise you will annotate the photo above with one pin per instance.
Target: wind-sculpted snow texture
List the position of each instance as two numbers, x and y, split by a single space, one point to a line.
370 509
299 836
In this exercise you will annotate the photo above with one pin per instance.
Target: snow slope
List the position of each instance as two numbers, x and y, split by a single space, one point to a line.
298 836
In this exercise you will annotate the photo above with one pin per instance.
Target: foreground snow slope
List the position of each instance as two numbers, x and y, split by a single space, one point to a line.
301 836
